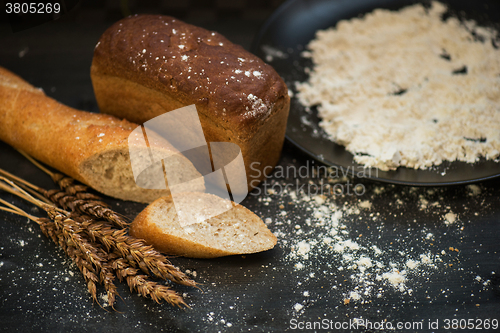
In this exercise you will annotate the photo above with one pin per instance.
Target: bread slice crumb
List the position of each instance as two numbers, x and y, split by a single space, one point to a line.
235 231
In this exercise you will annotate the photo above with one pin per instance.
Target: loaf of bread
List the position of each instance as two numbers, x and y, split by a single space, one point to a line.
146 65
235 231
92 148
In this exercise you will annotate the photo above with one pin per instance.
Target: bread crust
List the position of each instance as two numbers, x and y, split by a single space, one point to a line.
146 65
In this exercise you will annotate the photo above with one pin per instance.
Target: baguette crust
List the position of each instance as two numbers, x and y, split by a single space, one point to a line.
146 65
91 148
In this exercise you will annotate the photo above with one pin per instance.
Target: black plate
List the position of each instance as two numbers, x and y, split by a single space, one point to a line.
281 41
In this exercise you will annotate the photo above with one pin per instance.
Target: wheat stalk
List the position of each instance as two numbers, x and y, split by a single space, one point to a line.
71 235
78 235
56 235
94 208
135 251
75 196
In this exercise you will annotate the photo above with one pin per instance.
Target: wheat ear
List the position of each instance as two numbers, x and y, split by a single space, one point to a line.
135 251
143 285
74 236
51 231
75 196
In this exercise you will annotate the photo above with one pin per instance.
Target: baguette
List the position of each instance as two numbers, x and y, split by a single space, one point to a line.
146 65
235 231
91 148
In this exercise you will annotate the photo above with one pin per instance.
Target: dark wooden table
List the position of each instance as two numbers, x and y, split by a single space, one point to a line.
282 289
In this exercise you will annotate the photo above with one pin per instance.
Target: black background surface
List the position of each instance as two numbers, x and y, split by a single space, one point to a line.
40 291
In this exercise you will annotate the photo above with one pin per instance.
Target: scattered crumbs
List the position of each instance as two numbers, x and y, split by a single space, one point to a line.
450 218
423 203
272 53
257 106
303 249
354 295
474 189
364 268
104 297
23 52
396 278
297 307
365 204
299 266
412 264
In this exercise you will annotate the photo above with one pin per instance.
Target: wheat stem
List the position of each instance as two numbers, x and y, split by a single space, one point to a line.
35 162
79 236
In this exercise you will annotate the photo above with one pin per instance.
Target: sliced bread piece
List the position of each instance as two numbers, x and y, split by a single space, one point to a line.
235 231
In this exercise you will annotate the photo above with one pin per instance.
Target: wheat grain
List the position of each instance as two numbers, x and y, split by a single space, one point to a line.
99 250
134 250
143 285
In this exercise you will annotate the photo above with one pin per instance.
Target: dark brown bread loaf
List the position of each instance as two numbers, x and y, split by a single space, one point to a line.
146 65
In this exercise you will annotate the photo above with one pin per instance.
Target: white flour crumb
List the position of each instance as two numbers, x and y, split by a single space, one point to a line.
396 279
354 295
474 189
411 264
297 307
303 249
23 52
406 88
104 297
425 259
347 244
450 218
365 204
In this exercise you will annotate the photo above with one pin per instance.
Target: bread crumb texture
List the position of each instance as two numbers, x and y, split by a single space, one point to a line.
235 231
407 88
